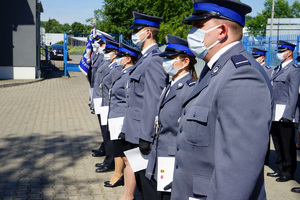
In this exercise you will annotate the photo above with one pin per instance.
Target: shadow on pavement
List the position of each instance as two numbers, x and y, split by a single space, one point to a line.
31 167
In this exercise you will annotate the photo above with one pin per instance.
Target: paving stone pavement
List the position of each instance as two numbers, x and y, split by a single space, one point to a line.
46 137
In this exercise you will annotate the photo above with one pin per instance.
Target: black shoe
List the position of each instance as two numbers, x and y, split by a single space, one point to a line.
296 189
99 164
116 184
273 174
106 182
98 154
104 169
284 178
93 112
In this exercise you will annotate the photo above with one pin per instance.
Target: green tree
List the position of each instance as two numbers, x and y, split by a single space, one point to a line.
77 27
53 26
116 16
257 25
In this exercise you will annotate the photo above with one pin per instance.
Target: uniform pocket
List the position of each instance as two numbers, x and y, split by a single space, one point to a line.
201 185
138 83
196 129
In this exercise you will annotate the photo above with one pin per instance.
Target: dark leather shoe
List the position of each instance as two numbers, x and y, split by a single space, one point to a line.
104 169
98 154
106 182
296 189
99 164
93 111
283 178
273 174
116 184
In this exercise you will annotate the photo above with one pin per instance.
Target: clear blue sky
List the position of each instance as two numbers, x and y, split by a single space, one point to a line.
69 11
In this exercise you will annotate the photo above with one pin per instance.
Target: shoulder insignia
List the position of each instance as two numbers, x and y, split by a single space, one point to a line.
240 60
155 52
191 82
296 66
179 85
268 67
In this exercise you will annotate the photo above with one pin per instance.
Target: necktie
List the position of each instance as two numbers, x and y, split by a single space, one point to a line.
204 71
279 68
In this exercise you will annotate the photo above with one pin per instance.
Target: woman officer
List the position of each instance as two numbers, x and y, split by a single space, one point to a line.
127 57
179 63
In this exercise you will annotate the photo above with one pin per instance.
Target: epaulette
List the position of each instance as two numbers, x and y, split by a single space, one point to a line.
240 60
191 82
296 66
155 52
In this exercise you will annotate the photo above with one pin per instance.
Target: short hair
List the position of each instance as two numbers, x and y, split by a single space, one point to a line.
154 32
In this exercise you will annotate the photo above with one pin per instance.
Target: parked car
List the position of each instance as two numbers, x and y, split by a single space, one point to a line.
57 52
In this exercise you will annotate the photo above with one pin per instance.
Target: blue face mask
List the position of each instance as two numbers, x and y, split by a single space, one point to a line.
169 68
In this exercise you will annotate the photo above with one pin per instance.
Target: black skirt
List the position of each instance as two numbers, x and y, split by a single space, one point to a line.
120 146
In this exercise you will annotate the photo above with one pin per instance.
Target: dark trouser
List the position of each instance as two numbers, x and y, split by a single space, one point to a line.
283 135
89 75
147 188
108 145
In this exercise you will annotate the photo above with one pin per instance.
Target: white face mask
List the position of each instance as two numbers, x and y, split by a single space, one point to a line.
259 60
100 50
95 45
119 63
280 56
196 41
136 39
169 68
107 56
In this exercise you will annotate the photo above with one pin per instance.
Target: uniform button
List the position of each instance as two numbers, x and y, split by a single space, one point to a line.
184 112
194 115
177 147
180 130
176 166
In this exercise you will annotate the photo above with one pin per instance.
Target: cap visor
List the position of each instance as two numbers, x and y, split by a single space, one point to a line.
194 18
168 53
120 54
136 27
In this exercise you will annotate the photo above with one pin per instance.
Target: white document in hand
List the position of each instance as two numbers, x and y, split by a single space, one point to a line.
97 105
115 127
279 110
165 169
137 160
103 115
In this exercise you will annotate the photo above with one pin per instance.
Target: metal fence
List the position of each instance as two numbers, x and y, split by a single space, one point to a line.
270 44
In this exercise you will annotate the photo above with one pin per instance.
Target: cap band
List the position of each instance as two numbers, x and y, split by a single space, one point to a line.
110 46
180 47
146 22
287 46
226 12
259 52
128 51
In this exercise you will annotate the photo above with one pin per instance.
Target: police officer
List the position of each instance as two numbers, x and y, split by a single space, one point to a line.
286 81
111 49
260 56
228 111
179 63
146 81
127 57
99 61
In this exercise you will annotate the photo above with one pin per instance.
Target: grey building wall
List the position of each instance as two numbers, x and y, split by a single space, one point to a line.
19 38
283 26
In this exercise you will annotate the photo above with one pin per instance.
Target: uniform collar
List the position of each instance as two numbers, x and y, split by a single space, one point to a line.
283 65
219 53
178 78
147 48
